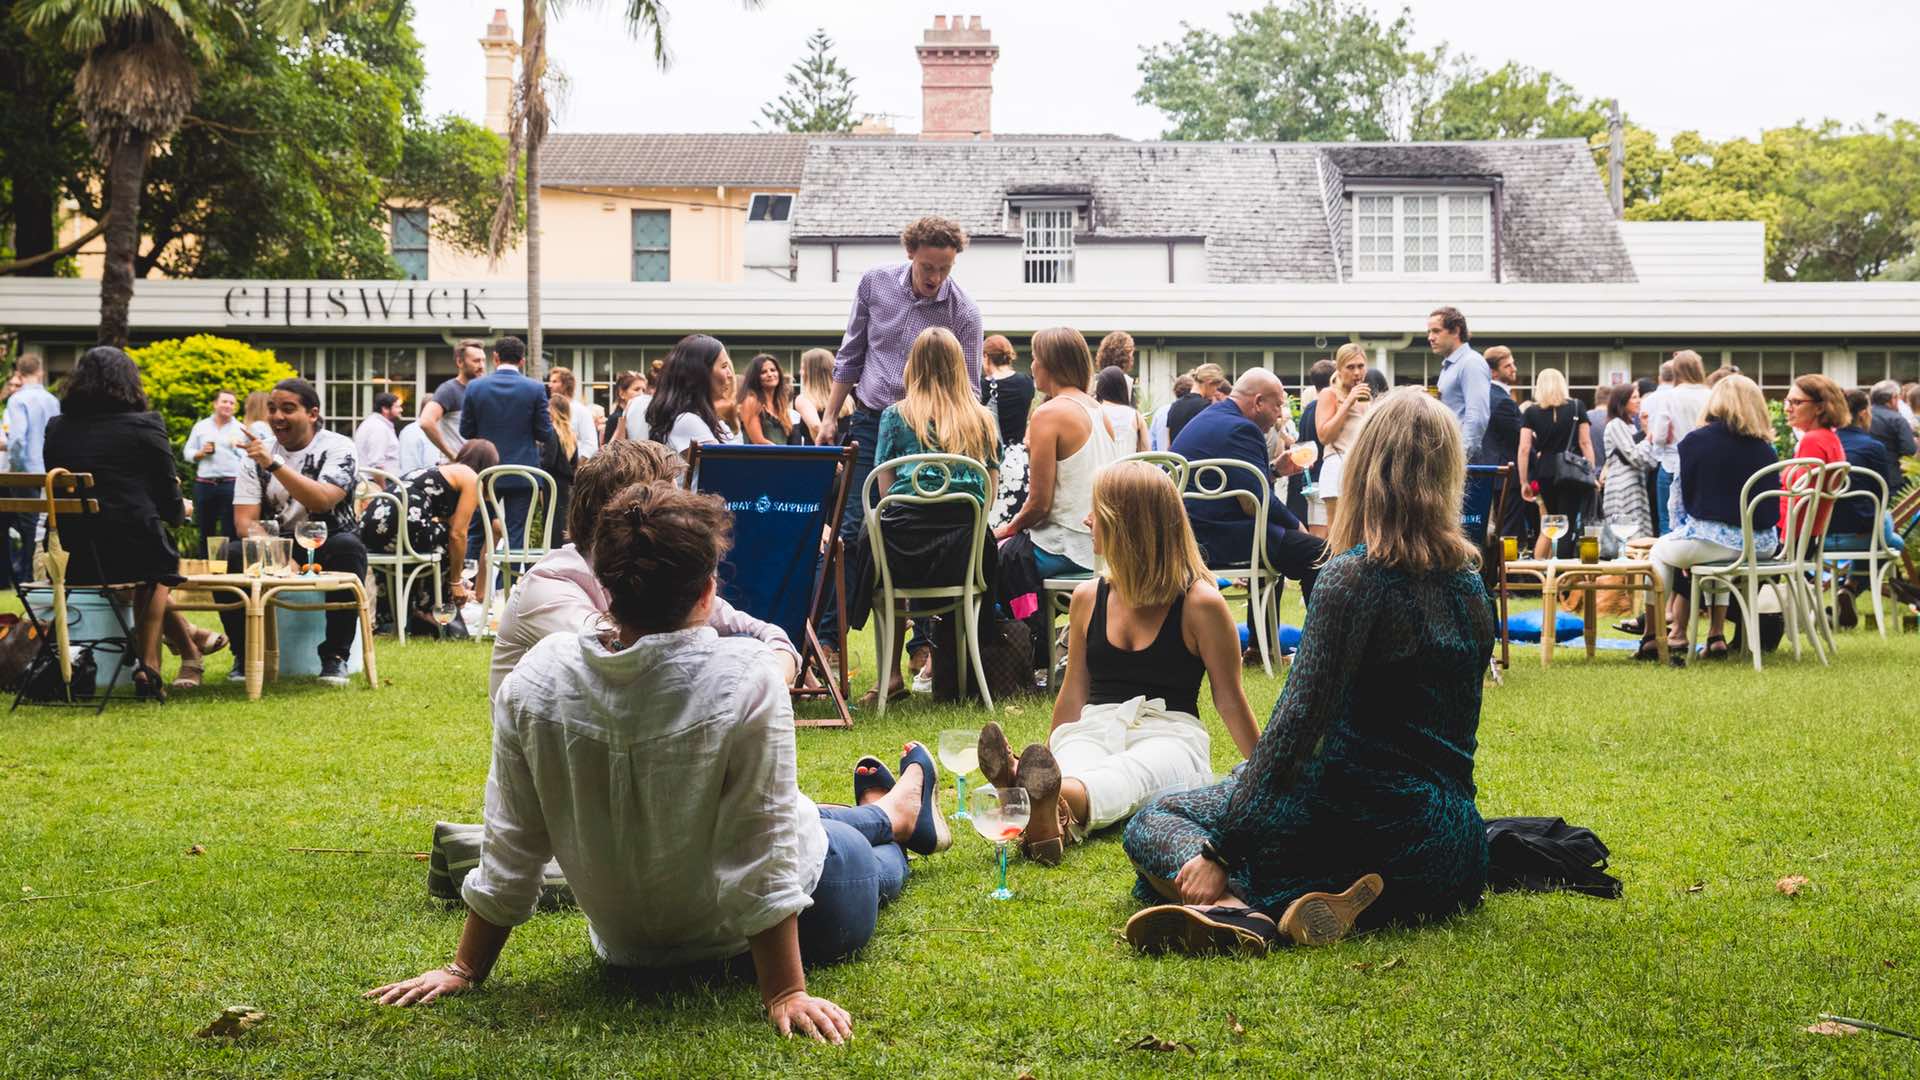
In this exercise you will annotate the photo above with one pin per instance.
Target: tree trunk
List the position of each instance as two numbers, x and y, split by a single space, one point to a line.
126 172
536 359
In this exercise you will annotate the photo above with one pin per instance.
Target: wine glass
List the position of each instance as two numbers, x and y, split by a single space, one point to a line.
311 535
1553 527
443 613
1304 454
960 755
1000 815
1623 530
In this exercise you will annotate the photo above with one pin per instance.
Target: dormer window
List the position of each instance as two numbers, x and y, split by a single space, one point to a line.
1049 219
1422 233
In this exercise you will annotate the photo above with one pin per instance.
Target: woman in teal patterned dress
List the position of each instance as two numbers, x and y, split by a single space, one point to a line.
1363 779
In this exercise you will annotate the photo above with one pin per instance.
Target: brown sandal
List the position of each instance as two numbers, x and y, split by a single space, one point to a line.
1320 918
192 672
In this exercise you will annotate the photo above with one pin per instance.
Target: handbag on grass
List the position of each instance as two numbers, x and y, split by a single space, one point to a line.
456 851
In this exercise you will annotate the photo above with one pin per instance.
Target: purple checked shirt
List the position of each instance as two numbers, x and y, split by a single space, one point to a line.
886 318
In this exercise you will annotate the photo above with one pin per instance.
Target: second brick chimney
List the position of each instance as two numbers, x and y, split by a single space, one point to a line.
498 48
956 79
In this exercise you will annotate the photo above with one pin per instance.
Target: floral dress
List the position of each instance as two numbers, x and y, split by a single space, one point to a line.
431 502
1367 763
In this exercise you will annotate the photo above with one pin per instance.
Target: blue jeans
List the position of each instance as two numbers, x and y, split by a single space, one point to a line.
862 430
213 508
864 870
1662 487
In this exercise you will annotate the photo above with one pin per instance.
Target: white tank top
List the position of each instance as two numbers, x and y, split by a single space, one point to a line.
1064 531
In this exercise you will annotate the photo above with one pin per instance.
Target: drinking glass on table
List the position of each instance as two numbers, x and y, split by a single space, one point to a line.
1553 527
1623 531
960 755
1000 815
312 534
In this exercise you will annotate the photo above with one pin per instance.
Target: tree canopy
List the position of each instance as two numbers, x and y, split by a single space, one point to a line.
819 93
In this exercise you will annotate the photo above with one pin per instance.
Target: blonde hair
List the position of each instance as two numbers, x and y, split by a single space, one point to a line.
940 406
1062 351
1151 555
1402 486
1346 353
1827 394
562 413
816 381
1550 388
1209 375
1736 402
256 408
1688 368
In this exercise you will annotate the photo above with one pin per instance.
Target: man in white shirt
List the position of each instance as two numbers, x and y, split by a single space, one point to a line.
1675 412
377 439
416 452
586 432
217 449
303 475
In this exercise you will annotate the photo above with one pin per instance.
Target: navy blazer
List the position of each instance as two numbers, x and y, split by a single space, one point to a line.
1221 431
509 410
1501 443
1715 464
1863 452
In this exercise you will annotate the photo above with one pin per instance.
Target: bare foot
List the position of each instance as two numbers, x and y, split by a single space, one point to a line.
902 804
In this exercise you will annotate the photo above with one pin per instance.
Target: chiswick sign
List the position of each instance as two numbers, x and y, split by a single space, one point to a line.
348 303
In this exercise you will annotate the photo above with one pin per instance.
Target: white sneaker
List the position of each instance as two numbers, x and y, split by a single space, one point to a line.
923 682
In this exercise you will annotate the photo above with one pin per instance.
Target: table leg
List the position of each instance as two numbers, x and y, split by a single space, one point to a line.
256 646
272 622
1549 604
1659 616
366 634
1592 613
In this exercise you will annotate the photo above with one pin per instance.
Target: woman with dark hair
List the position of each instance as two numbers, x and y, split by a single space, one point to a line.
105 428
441 501
765 405
697 373
1623 490
654 760
625 389
1115 395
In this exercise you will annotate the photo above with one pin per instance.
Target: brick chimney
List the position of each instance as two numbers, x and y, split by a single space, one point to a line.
956 79
498 47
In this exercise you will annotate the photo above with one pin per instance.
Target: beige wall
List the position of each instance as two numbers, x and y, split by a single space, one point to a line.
588 235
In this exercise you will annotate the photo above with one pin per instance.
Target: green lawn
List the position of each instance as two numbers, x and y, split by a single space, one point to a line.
1709 784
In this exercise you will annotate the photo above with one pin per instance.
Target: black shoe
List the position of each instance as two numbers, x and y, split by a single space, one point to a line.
333 672
1635 625
1844 612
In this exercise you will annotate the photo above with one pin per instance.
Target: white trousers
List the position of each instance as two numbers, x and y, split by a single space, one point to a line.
1673 553
1130 754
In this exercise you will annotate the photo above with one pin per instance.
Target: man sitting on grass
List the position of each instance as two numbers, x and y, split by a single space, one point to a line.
560 594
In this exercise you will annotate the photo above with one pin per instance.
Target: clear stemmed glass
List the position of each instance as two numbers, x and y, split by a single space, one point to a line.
960 755
1553 527
443 613
1000 815
312 534
1623 531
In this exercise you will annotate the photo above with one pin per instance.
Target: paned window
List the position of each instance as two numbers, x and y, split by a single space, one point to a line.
1048 232
410 242
1419 234
652 235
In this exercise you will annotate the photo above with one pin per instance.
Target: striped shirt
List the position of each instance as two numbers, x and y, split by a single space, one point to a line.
887 317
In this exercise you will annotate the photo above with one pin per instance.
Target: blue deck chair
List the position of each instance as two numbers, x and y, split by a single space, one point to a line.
783 499
1481 512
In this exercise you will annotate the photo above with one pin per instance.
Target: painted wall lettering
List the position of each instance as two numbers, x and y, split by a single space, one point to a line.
291 305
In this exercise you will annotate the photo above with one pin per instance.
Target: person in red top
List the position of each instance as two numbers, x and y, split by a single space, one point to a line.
1815 407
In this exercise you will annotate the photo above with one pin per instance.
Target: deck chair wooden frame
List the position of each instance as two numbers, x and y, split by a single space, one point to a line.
1493 552
61 492
818 677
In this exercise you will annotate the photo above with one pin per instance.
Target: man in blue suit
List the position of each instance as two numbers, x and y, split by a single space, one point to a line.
1236 428
509 410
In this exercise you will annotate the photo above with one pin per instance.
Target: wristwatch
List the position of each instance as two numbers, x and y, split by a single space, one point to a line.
275 465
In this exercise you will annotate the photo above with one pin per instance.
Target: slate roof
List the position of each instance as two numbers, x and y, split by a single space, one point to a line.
769 159
1268 211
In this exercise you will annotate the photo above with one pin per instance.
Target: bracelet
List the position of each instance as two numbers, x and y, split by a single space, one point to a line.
459 969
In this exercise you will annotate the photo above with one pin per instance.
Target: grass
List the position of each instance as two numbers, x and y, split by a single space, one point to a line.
1709 784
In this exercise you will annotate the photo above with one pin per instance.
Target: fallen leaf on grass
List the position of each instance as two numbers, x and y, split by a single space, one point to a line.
1832 1027
197 849
1159 1045
1233 1025
1791 884
1891 963
1393 963
1013 710
233 1022
1364 965
1697 886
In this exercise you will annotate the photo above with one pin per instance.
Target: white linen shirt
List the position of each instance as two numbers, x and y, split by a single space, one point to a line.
662 778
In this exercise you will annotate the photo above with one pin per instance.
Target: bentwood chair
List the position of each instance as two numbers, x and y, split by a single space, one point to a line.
1870 487
1211 480
932 477
402 566
519 552
1786 569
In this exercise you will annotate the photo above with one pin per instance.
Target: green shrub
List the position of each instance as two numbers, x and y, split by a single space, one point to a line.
181 376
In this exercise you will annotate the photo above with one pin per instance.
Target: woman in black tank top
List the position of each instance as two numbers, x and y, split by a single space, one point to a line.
1126 725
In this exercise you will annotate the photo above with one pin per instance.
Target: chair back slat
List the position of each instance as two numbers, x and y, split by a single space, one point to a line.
13 505
1174 465
783 499
1212 479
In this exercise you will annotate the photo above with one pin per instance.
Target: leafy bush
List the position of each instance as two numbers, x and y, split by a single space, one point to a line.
182 376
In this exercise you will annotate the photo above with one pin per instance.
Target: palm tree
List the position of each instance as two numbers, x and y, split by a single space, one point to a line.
527 127
138 80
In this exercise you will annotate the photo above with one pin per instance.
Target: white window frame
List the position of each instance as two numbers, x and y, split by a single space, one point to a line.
770 196
1442 213
1047 249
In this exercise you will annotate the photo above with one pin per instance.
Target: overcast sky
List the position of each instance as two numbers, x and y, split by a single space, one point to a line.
1724 67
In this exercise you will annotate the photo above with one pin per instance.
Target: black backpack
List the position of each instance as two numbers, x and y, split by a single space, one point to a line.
1542 854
